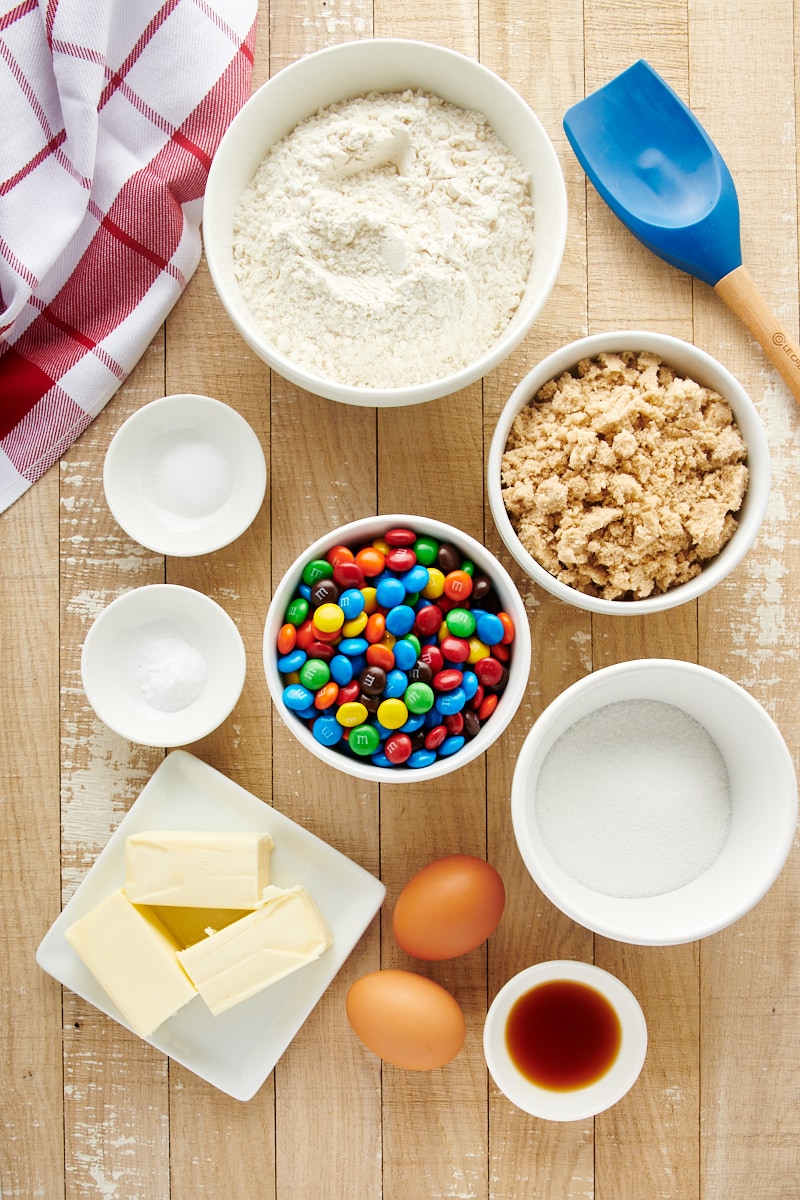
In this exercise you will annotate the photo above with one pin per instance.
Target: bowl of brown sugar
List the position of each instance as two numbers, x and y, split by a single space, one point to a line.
628 473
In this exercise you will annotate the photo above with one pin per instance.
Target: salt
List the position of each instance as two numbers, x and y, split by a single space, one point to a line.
166 671
633 800
191 478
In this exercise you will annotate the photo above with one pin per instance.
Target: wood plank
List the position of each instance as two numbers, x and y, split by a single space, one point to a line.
750 627
31 1124
327 485
204 354
434 1125
115 1086
328 1130
631 289
539 51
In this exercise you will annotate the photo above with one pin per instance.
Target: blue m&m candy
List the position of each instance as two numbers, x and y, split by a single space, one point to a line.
327 730
297 698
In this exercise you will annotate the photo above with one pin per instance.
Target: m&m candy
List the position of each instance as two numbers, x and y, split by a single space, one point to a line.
396 651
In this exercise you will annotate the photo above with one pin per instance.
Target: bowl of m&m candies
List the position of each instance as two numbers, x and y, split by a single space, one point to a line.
397 648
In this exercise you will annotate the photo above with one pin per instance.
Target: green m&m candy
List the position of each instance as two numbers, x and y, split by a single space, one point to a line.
460 622
418 697
314 674
318 568
364 740
426 549
297 611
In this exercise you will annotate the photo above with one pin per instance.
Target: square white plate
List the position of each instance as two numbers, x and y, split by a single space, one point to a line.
237 1050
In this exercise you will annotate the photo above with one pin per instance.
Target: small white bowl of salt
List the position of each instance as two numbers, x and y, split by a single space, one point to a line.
185 475
163 665
654 802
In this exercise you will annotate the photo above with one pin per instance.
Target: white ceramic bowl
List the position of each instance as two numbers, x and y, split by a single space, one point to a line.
163 665
185 475
688 360
579 1103
354 69
362 532
763 792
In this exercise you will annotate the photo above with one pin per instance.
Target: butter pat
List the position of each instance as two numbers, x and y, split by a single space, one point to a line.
286 932
187 869
134 959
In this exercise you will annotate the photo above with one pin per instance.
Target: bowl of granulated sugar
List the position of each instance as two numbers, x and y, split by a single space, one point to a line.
384 221
654 802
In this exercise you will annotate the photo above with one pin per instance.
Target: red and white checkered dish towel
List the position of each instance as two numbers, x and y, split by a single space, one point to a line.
110 113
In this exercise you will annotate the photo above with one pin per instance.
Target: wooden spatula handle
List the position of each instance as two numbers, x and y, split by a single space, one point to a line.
742 297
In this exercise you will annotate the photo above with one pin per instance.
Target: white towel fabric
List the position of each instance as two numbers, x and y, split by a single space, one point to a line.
111 112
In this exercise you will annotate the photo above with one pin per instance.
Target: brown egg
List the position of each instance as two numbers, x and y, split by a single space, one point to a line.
405 1019
449 907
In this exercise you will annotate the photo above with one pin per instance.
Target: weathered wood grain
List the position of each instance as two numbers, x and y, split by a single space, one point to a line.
86 1109
31 1093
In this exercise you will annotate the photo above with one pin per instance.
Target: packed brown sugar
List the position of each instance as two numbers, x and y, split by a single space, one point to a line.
623 478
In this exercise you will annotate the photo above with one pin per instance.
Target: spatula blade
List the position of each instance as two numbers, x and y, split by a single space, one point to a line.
656 167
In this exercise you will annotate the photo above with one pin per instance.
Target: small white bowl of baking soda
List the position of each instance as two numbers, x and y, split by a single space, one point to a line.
163 665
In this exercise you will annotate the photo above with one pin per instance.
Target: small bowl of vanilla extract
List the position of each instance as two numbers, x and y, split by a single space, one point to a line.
564 1040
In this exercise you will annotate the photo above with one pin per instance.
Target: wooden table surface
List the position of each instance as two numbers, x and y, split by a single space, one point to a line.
88 1110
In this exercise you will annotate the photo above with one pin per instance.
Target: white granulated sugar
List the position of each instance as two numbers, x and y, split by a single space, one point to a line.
386 241
633 799
191 478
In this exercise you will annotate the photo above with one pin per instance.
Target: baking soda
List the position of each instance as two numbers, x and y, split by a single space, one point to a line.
633 800
166 671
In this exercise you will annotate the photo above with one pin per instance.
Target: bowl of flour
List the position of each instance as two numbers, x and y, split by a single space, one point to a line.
384 221
654 802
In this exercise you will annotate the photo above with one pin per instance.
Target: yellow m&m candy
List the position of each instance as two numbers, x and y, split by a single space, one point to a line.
328 618
351 713
392 713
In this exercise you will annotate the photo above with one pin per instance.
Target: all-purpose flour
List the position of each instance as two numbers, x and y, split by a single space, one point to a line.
386 241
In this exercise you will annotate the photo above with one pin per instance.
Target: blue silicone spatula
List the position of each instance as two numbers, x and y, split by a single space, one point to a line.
656 167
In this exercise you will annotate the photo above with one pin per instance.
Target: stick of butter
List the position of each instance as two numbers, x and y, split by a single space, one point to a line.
284 933
134 959
188 869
